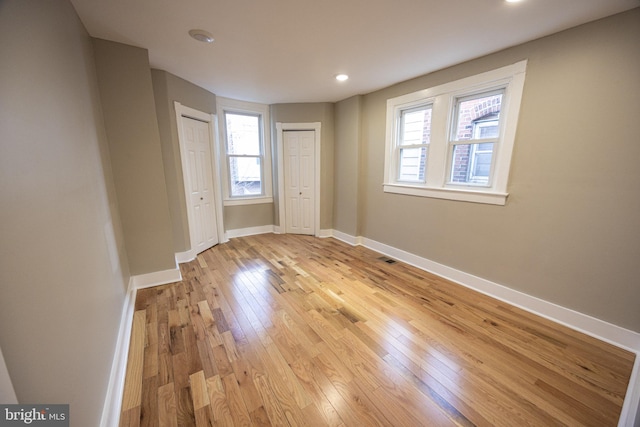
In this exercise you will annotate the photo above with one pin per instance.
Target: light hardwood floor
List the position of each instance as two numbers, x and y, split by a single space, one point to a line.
294 330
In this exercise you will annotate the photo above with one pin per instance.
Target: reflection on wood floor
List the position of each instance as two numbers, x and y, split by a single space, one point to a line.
294 330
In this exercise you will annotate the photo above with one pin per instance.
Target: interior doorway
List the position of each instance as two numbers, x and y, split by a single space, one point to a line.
299 206
299 181
202 196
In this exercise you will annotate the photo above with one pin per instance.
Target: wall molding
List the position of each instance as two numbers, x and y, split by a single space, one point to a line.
630 415
113 400
250 231
186 256
324 233
604 331
584 323
156 278
347 238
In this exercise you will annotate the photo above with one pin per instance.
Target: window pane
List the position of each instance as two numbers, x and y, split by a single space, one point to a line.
245 176
412 164
478 117
471 163
487 129
415 126
243 134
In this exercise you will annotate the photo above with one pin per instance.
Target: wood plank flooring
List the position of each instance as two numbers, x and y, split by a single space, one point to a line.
289 330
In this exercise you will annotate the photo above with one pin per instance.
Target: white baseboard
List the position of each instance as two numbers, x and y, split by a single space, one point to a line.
323 234
347 238
113 401
186 256
250 231
155 279
630 415
597 328
608 332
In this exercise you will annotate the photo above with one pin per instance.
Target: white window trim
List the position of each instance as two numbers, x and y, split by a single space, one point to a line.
234 106
443 97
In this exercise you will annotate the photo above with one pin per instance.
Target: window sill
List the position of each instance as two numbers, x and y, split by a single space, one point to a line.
463 195
248 201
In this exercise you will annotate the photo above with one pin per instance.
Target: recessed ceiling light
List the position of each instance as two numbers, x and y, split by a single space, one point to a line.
201 36
512 1
342 77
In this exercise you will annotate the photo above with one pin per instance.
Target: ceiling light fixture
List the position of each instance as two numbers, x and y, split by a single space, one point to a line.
512 1
201 36
342 77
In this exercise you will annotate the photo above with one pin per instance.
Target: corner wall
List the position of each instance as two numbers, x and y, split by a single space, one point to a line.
346 165
124 79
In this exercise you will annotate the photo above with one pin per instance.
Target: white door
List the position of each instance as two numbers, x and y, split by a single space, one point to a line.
199 184
299 180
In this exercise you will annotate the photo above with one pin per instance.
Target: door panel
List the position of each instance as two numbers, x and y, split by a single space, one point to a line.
202 224
299 157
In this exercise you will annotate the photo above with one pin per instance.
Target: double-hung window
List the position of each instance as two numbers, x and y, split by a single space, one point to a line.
413 143
245 149
244 153
454 141
474 136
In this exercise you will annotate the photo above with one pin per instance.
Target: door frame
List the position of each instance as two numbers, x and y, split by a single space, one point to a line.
280 129
210 119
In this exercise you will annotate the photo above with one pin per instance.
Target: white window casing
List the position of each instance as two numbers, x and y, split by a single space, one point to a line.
509 81
229 106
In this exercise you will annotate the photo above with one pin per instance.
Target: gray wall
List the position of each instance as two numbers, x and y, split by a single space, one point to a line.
310 113
245 216
346 165
569 233
63 269
128 104
168 88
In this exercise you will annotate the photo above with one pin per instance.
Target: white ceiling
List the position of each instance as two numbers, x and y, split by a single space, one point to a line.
283 51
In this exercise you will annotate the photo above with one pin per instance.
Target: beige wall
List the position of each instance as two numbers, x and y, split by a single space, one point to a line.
246 216
310 113
569 232
128 104
346 165
168 89
63 268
